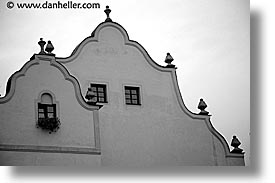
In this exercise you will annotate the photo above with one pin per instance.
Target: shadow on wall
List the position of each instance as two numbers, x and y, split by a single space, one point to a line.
254 169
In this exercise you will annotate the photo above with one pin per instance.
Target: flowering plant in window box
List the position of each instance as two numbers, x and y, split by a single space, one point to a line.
50 124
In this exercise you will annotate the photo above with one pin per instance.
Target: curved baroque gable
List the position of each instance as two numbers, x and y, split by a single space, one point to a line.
67 76
95 38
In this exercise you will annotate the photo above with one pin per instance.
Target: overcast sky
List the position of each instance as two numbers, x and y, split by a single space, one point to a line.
208 39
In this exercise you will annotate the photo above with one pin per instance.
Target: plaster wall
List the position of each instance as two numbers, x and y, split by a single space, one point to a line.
8 158
18 116
235 161
157 132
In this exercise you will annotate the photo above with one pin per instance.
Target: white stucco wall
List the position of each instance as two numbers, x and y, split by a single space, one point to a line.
13 158
18 115
158 132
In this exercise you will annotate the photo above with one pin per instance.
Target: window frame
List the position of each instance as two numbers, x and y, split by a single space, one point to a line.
97 92
132 95
46 111
54 102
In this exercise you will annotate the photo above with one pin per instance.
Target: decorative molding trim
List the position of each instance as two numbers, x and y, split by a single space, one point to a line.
49 149
10 88
233 155
76 85
206 118
95 37
96 129
35 61
43 58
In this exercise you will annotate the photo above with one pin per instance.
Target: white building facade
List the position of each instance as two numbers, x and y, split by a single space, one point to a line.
133 116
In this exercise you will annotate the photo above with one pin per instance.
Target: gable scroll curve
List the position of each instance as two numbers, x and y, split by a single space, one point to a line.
35 60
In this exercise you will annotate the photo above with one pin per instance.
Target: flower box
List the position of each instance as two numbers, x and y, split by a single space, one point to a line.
49 124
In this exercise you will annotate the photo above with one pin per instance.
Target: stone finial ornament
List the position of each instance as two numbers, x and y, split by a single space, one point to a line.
49 48
169 59
236 143
108 11
42 44
91 97
202 106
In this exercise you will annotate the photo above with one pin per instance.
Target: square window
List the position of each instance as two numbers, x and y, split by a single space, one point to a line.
132 95
100 92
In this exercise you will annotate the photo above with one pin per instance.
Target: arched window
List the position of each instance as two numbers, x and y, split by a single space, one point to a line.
46 107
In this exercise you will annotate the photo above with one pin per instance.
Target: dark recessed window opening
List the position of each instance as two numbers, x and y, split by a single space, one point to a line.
132 95
46 108
100 92
46 111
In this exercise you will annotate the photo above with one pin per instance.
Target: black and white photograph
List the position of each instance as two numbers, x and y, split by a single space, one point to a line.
125 85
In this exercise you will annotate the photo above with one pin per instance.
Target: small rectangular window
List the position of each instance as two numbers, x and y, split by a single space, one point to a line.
46 110
100 92
132 95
